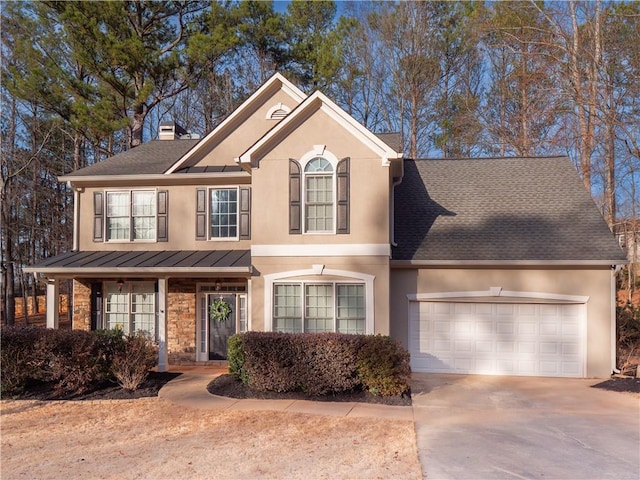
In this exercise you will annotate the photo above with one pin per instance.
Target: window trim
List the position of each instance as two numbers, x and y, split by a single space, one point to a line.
210 238
130 192
319 151
317 272
334 285
128 286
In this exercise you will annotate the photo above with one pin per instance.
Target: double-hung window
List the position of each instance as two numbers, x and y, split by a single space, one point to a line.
319 307
319 201
131 307
223 210
131 215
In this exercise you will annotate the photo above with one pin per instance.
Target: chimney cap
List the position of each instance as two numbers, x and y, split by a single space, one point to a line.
170 130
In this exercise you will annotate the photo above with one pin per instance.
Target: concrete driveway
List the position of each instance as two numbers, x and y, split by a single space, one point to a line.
481 427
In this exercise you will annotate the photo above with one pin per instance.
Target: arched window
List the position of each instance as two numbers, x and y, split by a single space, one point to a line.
318 195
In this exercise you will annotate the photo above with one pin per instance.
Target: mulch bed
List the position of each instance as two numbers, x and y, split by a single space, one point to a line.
620 384
150 388
227 386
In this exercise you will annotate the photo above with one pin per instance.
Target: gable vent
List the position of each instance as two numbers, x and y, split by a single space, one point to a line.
278 112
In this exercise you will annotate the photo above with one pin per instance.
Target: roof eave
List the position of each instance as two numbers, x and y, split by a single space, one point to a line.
148 177
503 263
112 271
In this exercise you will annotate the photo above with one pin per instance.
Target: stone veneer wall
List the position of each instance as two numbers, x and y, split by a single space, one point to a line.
81 319
181 321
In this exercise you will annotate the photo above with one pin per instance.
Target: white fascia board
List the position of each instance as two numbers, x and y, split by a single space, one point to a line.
285 85
369 139
78 179
358 130
502 263
322 250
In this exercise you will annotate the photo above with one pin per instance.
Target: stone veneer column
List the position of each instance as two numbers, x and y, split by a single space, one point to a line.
81 319
181 315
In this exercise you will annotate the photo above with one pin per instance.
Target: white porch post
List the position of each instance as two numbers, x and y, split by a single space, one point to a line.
53 299
162 324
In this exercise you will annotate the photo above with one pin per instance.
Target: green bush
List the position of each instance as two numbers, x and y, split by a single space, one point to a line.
236 358
131 364
319 364
383 366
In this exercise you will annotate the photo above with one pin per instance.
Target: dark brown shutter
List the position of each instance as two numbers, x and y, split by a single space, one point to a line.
295 197
245 213
342 177
98 216
163 214
201 214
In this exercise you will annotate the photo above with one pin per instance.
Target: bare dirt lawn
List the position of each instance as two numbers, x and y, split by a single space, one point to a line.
153 438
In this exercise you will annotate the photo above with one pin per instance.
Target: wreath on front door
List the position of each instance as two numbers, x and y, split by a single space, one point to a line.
219 310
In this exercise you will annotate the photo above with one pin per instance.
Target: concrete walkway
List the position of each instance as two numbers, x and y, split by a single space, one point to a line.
190 390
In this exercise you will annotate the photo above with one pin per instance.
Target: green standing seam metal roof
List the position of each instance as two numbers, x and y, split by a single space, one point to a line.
498 209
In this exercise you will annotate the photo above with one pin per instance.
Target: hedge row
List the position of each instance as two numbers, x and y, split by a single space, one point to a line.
72 361
319 364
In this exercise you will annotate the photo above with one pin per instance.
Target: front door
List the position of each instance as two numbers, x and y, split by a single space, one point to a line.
222 322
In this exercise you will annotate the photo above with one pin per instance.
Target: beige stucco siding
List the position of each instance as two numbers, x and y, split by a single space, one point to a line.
594 283
245 130
378 267
181 220
369 187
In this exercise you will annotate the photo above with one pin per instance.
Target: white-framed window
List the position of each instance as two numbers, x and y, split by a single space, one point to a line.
130 215
319 198
319 307
223 213
130 306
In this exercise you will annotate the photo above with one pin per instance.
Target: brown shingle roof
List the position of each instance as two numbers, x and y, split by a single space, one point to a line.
498 209
154 157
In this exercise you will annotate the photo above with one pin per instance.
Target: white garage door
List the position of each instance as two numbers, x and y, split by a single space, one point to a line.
497 338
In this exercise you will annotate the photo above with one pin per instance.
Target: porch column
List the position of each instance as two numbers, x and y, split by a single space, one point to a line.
53 299
162 324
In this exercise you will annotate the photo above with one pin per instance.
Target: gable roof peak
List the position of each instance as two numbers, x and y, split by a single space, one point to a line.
318 100
276 82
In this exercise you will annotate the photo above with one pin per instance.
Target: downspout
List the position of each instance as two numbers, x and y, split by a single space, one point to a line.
393 204
614 343
76 217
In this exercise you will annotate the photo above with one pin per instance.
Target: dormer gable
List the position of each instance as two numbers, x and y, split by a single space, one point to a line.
275 99
317 102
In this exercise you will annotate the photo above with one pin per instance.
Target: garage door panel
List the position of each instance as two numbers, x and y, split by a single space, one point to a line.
494 338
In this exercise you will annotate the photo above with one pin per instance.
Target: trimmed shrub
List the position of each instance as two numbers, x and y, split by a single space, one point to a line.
132 363
18 365
319 364
73 362
236 358
77 360
383 366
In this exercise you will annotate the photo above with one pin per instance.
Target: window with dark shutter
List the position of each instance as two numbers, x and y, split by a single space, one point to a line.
295 194
98 216
201 214
163 213
245 213
342 178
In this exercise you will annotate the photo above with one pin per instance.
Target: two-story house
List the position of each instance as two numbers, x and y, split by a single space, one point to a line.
291 216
